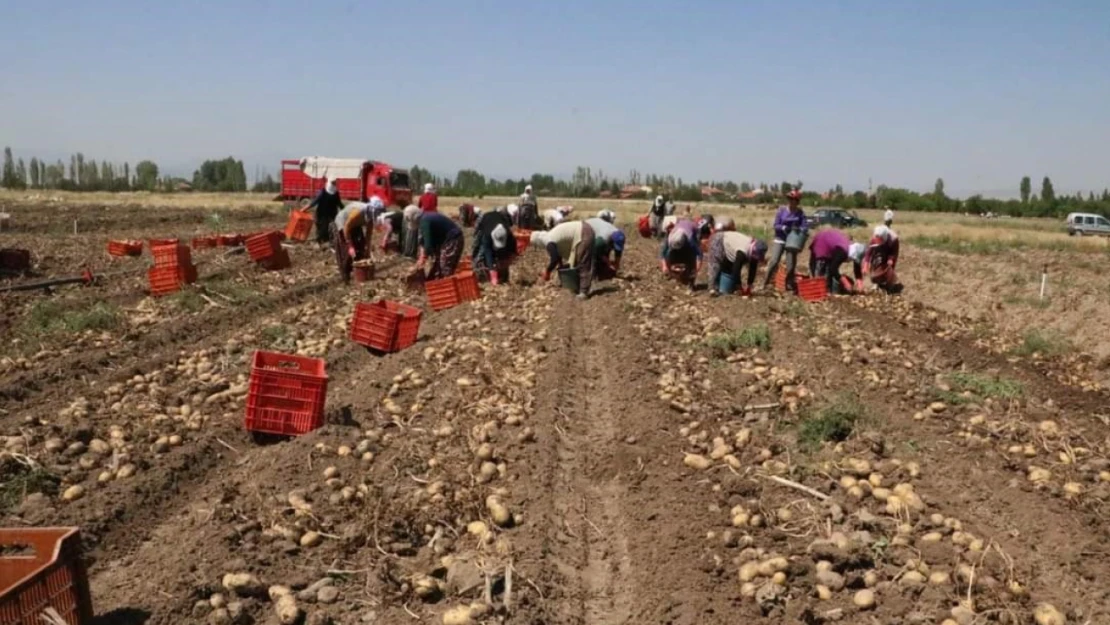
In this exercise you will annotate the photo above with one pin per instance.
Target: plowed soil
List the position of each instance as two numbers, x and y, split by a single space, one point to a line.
647 455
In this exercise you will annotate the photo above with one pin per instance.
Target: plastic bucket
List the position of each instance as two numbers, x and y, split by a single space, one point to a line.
569 279
726 284
795 241
364 272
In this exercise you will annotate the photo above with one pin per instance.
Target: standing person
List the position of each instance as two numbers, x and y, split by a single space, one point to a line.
441 240
680 247
348 231
829 250
429 200
791 231
656 213
528 197
327 205
466 215
729 251
888 217
494 246
410 225
529 210
608 239
881 259
570 243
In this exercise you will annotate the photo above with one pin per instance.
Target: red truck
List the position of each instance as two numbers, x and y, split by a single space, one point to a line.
357 179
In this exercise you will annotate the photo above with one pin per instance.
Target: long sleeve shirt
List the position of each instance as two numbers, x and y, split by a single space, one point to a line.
483 233
428 202
787 221
733 247
603 233
351 218
326 203
826 242
690 229
880 251
435 230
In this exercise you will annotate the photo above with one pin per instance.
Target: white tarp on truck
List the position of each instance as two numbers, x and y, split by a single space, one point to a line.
321 167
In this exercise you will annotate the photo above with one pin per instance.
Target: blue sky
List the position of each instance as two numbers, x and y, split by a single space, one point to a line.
977 92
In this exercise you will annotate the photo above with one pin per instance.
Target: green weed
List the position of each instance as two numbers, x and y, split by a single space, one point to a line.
758 336
187 300
18 480
831 423
986 386
271 335
50 317
1045 343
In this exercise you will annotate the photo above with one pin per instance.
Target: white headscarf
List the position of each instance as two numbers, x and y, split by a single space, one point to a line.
411 213
882 232
500 237
607 215
888 216
659 200
512 209
376 203
855 252
725 223
331 187
676 240
528 188
429 187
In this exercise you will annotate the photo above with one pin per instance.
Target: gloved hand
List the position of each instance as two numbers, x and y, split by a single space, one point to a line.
351 251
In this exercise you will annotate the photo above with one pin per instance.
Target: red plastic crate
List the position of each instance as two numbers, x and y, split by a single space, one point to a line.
277 262
229 240
166 280
200 243
174 255
442 294
299 226
125 248
523 239
385 326
464 265
152 243
468 288
50 574
812 289
263 245
287 394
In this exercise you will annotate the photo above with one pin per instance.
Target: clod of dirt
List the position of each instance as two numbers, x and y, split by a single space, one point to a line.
830 579
327 594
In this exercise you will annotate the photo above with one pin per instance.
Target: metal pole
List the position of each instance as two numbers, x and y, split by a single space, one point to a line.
1044 279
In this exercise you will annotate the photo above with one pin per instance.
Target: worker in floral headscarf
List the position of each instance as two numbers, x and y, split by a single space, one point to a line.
410 222
731 251
881 259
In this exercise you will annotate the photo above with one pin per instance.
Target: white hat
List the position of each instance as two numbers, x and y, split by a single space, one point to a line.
330 187
512 209
500 237
429 187
888 215
882 232
607 215
527 188
376 203
855 252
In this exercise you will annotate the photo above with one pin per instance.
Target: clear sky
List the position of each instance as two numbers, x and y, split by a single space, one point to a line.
979 92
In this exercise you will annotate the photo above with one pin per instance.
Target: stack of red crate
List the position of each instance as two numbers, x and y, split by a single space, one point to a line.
173 267
265 249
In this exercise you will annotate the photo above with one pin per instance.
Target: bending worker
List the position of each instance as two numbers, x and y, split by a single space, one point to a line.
391 229
349 233
729 252
494 245
881 259
680 247
327 205
572 244
829 250
608 239
441 240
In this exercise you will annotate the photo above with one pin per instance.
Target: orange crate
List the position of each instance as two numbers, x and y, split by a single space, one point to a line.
46 572
385 326
152 243
171 255
125 248
299 226
812 289
464 265
229 240
287 394
263 245
442 294
166 280
523 239
277 262
468 288
200 243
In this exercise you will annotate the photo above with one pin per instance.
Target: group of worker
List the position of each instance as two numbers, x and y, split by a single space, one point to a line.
592 248
727 252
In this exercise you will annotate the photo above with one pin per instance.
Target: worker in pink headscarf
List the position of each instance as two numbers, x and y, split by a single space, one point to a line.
681 247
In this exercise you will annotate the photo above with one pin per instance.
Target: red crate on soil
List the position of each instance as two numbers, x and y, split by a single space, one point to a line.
152 243
201 243
125 248
263 245
468 288
174 255
299 226
385 326
442 294
464 265
812 289
286 395
229 240
523 240
277 262
166 280
44 570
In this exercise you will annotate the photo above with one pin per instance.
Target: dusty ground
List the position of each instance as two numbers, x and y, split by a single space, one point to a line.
634 458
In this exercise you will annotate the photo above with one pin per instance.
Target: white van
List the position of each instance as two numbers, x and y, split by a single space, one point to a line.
1087 223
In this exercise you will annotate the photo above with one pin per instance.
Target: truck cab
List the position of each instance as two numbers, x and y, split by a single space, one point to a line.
391 185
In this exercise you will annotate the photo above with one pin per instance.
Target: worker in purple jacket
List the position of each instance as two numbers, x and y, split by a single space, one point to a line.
788 220
830 249
681 247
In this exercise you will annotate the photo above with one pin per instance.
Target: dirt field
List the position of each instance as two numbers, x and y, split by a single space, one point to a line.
644 456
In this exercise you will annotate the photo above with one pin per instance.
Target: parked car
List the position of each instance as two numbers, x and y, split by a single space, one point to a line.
1087 223
836 217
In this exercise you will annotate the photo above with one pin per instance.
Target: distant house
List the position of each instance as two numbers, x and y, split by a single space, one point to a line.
605 194
634 191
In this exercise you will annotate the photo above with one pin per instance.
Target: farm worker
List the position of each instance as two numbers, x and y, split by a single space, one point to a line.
565 210
514 213
391 227
607 215
570 243
466 214
830 248
607 239
881 259
656 213
729 251
705 226
494 245
327 205
888 218
680 247
552 217
789 220
349 234
442 240
410 225
528 197
429 201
